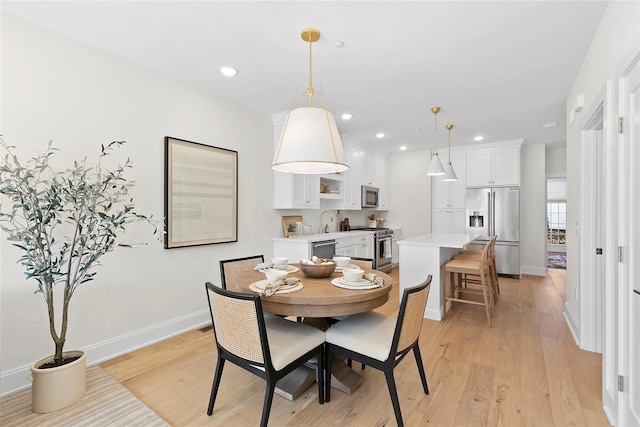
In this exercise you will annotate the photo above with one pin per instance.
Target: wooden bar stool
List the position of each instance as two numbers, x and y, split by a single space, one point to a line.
464 270
476 254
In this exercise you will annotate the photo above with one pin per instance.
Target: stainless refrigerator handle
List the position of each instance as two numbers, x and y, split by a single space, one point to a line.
489 214
493 213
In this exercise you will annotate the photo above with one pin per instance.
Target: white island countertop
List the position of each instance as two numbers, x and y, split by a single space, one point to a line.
440 240
425 255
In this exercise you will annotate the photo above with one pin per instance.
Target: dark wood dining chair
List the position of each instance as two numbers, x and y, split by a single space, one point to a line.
231 268
381 342
269 347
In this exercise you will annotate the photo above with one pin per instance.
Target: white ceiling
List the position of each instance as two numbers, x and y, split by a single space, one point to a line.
502 69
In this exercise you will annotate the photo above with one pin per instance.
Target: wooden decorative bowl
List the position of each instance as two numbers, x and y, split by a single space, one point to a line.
318 270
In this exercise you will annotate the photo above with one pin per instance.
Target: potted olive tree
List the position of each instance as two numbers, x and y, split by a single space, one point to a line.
63 221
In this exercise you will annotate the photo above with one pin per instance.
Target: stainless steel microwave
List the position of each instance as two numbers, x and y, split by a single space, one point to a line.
370 196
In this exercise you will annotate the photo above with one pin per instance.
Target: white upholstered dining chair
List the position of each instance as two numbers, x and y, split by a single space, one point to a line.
381 342
269 347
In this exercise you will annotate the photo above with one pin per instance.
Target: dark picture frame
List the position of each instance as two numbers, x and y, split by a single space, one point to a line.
200 194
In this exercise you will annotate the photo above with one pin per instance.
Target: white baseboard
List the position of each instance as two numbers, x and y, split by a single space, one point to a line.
432 314
534 271
573 325
16 379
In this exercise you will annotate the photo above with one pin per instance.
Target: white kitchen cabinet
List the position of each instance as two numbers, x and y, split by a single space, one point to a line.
395 252
357 246
451 194
351 179
382 180
293 191
374 172
493 167
294 249
448 221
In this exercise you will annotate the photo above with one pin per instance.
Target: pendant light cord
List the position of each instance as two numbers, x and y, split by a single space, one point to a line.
310 89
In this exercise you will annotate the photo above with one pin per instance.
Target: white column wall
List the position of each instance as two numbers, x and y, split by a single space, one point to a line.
533 210
59 89
410 193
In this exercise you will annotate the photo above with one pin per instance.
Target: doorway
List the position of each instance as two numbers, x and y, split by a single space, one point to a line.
592 226
557 223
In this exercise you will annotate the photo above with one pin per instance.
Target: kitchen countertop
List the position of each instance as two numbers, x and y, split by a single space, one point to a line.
310 238
442 240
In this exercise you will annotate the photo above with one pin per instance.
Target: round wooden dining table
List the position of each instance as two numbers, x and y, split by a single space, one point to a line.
318 297
317 301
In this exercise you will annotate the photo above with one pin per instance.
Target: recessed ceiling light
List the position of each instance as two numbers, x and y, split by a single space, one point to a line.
478 138
338 43
346 116
550 125
379 135
403 147
228 71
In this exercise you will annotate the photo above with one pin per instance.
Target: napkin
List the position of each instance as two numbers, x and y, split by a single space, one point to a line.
272 288
374 278
263 266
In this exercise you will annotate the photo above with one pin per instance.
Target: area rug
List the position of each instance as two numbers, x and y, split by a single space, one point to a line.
106 403
557 260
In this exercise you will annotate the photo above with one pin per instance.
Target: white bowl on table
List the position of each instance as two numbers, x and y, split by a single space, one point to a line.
352 275
279 262
342 261
275 274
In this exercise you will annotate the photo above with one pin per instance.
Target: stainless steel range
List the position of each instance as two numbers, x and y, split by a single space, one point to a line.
382 247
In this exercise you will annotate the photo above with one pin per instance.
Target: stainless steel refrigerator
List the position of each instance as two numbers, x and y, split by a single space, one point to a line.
496 212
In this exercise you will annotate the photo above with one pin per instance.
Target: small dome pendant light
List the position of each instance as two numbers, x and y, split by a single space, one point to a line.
435 167
450 174
310 142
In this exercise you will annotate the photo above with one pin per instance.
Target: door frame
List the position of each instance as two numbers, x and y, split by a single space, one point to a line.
628 156
593 137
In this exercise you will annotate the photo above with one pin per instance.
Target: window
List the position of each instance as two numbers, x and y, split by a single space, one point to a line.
556 223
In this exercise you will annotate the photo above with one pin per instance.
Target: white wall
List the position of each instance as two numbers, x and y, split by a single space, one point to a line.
59 89
617 32
410 193
556 161
533 210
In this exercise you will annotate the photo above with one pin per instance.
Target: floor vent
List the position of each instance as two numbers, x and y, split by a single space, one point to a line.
206 328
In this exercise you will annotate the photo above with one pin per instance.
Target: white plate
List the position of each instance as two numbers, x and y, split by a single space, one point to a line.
362 282
337 282
289 269
348 266
263 283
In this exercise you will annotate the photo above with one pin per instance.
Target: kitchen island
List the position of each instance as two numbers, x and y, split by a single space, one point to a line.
424 255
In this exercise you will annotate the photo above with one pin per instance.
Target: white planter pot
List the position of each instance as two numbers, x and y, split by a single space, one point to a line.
59 387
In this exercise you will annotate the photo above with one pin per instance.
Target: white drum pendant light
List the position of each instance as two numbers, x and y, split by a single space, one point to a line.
435 167
310 142
450 174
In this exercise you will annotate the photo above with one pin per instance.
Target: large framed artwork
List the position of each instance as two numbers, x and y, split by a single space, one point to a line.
200 194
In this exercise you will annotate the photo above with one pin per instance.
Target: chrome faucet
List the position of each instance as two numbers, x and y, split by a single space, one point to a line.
321 215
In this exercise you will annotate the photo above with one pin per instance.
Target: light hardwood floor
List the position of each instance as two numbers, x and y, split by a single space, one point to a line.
525 371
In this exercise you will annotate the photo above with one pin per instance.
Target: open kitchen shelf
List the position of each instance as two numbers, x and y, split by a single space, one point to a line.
331 187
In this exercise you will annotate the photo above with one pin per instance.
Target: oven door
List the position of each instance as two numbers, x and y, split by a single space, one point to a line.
384 260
